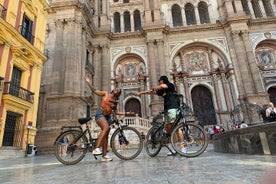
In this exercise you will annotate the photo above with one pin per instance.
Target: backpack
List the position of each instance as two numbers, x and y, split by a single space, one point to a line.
272 114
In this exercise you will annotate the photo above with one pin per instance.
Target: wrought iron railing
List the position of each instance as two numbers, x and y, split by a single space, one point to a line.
3 12
18 91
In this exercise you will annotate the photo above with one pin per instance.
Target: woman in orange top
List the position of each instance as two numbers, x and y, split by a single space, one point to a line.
103 116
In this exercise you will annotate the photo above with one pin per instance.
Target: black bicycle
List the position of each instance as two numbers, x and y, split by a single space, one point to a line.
72 145
187 138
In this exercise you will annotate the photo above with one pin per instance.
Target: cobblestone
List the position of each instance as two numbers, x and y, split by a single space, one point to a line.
208 168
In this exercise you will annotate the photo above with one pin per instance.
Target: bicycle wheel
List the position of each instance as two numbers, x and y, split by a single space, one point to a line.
189 141
127 143
152 147
70 147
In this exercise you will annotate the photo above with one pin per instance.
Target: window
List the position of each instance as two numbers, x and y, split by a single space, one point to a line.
15 81
127 21
256 8
117 22
27 27
126 1
190 14
245 7
203 13
137 20
268 8
176 16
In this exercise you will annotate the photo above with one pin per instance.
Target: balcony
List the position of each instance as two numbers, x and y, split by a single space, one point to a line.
18 92
3 12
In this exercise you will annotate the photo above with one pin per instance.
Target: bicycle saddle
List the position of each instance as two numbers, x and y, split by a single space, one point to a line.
84 120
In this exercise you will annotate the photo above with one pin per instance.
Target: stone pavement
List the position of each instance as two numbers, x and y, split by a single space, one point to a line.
208 168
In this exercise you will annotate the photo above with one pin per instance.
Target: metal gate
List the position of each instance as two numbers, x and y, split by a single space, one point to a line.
13 130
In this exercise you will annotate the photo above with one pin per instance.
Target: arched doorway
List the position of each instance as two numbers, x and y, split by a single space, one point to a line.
203 105
133 105
272 95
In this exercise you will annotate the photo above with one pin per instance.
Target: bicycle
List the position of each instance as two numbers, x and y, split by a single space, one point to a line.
80 141
188 139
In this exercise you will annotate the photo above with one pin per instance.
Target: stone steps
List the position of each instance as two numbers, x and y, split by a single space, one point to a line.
11 152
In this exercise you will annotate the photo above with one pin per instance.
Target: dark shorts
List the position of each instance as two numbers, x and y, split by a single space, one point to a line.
99 115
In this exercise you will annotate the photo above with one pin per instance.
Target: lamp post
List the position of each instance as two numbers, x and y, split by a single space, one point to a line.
28 132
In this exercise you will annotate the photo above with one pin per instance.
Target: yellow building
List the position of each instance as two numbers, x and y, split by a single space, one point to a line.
22 38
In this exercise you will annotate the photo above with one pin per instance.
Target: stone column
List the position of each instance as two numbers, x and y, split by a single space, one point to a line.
104 15
211 14
197 15
152 64
96 13
226 91
255 76
147 11
132 22
186 89
183 17
105 68
122 23
217 93
156 10
98 72
161 61
182 62
251 9
244 84
156 60
170 23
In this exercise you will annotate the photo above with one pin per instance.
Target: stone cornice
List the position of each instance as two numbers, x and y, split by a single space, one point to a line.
119 36
262 21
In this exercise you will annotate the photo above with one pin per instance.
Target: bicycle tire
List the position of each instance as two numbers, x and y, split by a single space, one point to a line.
75 150
193 144
130 147
152 147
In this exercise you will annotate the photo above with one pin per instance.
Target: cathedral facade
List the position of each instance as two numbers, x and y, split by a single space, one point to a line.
220 54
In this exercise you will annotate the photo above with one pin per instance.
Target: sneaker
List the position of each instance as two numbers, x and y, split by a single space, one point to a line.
97 151
106 159
184 150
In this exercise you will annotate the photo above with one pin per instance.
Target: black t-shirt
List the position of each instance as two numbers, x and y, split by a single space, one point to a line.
171 99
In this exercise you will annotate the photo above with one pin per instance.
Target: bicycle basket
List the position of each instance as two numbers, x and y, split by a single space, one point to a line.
157 120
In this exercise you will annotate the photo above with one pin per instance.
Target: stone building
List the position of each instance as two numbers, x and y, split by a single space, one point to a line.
22 38
219 54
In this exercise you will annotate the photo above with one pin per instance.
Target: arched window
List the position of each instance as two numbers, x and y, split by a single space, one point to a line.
190 14
127 21
176 16
256 8
245 7
268 8
203 13
137 20
117 22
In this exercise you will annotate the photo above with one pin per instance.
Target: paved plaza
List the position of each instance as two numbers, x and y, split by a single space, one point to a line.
208 168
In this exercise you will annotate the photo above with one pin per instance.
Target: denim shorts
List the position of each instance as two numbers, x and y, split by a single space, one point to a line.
99 115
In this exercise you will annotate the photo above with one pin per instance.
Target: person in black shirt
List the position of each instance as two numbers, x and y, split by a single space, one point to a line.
171 99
